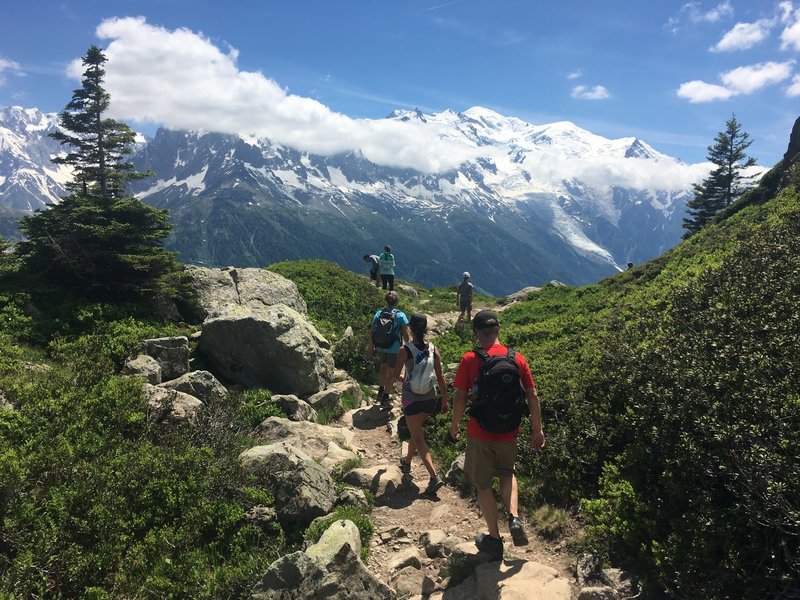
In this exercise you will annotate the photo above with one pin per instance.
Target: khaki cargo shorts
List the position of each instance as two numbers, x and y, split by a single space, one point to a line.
485 460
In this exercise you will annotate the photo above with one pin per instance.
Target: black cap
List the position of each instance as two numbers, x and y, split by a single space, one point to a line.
485 319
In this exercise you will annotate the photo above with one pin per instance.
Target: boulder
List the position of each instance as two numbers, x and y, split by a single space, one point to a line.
331 396
200 384
407 290
298 576
294 408
408 557
171 405
520 295
172 354
624 582
274 347
338 534
438 544
511 580
411 582
217 289
354 497
143 366
381 480
302 488
598 593
455 475
326 444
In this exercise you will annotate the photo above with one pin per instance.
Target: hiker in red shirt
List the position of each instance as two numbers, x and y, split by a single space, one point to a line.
493 426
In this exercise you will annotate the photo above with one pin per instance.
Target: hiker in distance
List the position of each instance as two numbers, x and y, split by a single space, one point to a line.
374 265
423 366
389 327
386 265
496 376
464 296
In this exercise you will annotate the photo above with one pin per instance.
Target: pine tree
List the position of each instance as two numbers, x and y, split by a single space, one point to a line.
725 183
96 239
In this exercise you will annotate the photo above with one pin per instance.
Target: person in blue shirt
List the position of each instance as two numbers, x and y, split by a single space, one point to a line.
387 357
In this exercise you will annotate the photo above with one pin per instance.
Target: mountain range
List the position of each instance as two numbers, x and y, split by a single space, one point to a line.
536 203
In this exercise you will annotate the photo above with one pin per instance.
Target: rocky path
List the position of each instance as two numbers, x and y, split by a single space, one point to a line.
405 516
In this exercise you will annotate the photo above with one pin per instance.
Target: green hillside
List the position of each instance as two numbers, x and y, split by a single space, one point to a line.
671 406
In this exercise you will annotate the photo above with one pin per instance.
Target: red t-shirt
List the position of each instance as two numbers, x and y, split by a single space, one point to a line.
469 369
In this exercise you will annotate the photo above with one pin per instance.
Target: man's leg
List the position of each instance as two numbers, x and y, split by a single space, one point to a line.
488 506
508 492
391 282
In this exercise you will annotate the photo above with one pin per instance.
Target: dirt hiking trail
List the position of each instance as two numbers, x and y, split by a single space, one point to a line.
406 515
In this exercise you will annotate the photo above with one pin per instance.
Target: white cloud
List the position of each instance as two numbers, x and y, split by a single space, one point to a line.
744 36
794 89
575 74
723 9
700 91
582 92
790 36
8 65
746 80
182 80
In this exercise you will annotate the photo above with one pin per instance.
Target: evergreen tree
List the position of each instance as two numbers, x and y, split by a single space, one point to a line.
96 239
725 183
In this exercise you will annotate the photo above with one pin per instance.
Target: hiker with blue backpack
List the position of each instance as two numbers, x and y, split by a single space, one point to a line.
423 366
502 391
389 327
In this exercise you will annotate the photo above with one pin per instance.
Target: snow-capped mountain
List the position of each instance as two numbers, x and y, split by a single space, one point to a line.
537 202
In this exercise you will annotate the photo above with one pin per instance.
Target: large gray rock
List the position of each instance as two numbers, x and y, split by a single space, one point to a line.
520 295
218 289
171 405
294 408
298 576
145 367
326 444
331 396
172 354
200 384
338 534
302 488
274 347
382 480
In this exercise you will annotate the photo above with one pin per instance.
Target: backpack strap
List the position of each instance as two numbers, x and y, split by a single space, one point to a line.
512 355
481 353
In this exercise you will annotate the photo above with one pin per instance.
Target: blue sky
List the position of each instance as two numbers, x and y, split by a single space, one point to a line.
318 72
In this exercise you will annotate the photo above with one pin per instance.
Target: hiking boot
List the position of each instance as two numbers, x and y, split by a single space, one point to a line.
433 486
386 400
381 393
490 545
517 531
405 467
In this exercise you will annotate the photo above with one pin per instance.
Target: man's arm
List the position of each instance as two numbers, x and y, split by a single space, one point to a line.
459 408
404 333
537 433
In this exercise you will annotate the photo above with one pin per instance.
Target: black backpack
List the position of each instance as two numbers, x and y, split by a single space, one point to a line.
499 401
384 328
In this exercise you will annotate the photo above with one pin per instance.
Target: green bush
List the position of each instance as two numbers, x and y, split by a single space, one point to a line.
336 298
97 501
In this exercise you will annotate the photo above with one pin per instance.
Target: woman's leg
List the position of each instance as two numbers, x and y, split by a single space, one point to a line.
415 423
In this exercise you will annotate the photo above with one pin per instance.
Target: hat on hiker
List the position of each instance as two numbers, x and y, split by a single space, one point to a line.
466 274
485 319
